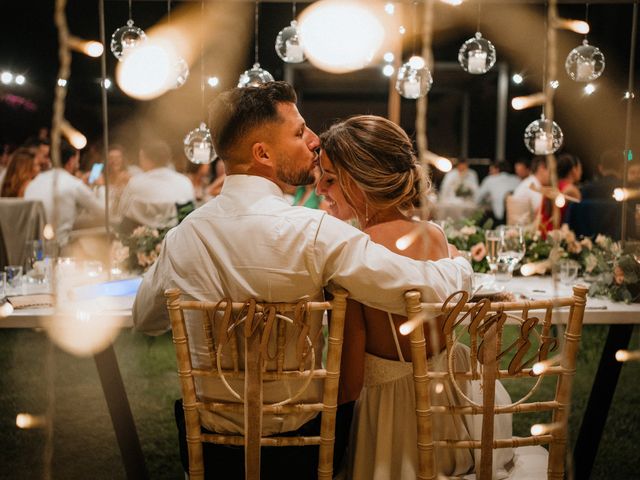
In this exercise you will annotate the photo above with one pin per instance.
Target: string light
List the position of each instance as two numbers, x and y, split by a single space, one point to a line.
528 101
517 78
626 355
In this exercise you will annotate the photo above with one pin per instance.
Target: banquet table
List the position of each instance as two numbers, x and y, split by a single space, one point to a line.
108 371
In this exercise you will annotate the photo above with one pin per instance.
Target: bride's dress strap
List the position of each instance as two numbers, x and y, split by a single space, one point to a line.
395 337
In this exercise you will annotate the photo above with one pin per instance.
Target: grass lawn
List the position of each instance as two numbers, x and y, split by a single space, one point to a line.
35 375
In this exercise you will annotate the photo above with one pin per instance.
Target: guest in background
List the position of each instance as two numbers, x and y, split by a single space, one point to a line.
21 170
522 168
4 161
569 168
460 183
306 196
609 176
42 151
495 187
151 197
71 195
538 179
199 175
217 177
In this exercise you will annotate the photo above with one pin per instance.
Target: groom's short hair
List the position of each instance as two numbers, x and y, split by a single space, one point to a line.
235 113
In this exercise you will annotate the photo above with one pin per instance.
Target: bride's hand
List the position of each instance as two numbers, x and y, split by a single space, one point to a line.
453 251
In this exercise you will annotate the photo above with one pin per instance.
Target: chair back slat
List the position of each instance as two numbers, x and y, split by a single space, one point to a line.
247 342
481 326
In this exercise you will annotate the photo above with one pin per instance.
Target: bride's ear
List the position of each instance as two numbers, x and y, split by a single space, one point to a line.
261 155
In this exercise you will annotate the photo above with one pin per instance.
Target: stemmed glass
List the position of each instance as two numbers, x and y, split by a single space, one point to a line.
512 246
492 240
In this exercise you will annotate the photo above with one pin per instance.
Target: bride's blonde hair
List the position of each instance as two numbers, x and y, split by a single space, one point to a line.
377 156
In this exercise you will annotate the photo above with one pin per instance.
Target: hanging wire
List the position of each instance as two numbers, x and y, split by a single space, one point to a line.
255 33
415 27
293 10
105 119
629 96
479 13
130 14
168 11
586 17
202 60
544 59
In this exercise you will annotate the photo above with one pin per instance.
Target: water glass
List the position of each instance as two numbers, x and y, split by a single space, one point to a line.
569 271
503 271
492 239
3 284
13 279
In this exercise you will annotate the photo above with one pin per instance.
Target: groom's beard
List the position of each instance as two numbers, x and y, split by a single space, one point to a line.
294 177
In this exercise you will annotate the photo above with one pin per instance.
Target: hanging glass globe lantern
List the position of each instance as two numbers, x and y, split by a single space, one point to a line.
198 146
289 44
477 55
584 63
254 77
414 79
180 73
541 138
125 39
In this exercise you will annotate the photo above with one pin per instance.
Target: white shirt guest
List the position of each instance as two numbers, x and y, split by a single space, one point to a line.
150 197
459 183
538 179
72 195
495 187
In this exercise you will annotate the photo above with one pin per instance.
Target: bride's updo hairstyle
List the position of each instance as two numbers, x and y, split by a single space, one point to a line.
377 156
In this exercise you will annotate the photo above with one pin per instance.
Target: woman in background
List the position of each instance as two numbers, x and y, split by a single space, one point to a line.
21 170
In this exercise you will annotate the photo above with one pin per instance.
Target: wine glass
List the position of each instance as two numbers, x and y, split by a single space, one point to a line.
492 240
512 246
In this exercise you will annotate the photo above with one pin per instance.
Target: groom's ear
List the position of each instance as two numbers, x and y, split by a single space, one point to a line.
260 153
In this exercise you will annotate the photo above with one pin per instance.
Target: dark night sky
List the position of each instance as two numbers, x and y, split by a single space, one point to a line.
29 46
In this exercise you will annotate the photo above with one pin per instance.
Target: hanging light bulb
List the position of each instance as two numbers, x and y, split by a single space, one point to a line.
477 55
180 73
542 140
254 77
289 44
198 146
412 82
125 39
584 63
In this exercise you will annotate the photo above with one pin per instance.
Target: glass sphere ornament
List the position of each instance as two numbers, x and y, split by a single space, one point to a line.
543 137
412 82
180 73
126 38
198 146
289 44
477 55
254 77
584 63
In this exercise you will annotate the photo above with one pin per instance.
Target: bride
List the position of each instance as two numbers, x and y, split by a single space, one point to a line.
369 173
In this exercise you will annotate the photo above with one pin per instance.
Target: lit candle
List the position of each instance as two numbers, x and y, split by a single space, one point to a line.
201 152
585 69
412 88
294 52
477 61
542 144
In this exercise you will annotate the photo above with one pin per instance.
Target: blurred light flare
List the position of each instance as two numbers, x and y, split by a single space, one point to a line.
20 79
589 88
388 70
390 8
47 232
389 57
213 81
6 77
517 78
26 421
106 83
334 41
145 72
626 355
577 26
554 84
62 82
454 3
417 62
75 137
528 101
560 201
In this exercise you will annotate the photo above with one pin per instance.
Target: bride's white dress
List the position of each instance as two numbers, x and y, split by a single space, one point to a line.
384 436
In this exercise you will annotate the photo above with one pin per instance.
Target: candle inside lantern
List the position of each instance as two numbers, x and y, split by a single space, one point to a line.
543 143
477 61
294 52
584 70
412 88
201 152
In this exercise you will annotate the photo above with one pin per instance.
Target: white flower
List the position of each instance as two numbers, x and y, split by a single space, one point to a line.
590 263
616 248
602 241
468 230
586 243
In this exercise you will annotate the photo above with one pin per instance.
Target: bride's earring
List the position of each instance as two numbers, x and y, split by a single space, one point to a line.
366 214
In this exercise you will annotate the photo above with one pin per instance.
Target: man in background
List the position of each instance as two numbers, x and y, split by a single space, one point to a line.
495 187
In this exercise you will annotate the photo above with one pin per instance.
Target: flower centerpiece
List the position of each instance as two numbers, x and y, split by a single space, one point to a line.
139 250
467 236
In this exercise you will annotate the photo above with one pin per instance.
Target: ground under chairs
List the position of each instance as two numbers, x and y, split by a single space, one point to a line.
495 354
255 352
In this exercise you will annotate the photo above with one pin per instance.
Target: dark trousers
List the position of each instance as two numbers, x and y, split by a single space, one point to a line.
226 462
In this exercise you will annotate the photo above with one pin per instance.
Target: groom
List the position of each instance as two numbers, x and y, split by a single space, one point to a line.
249 242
